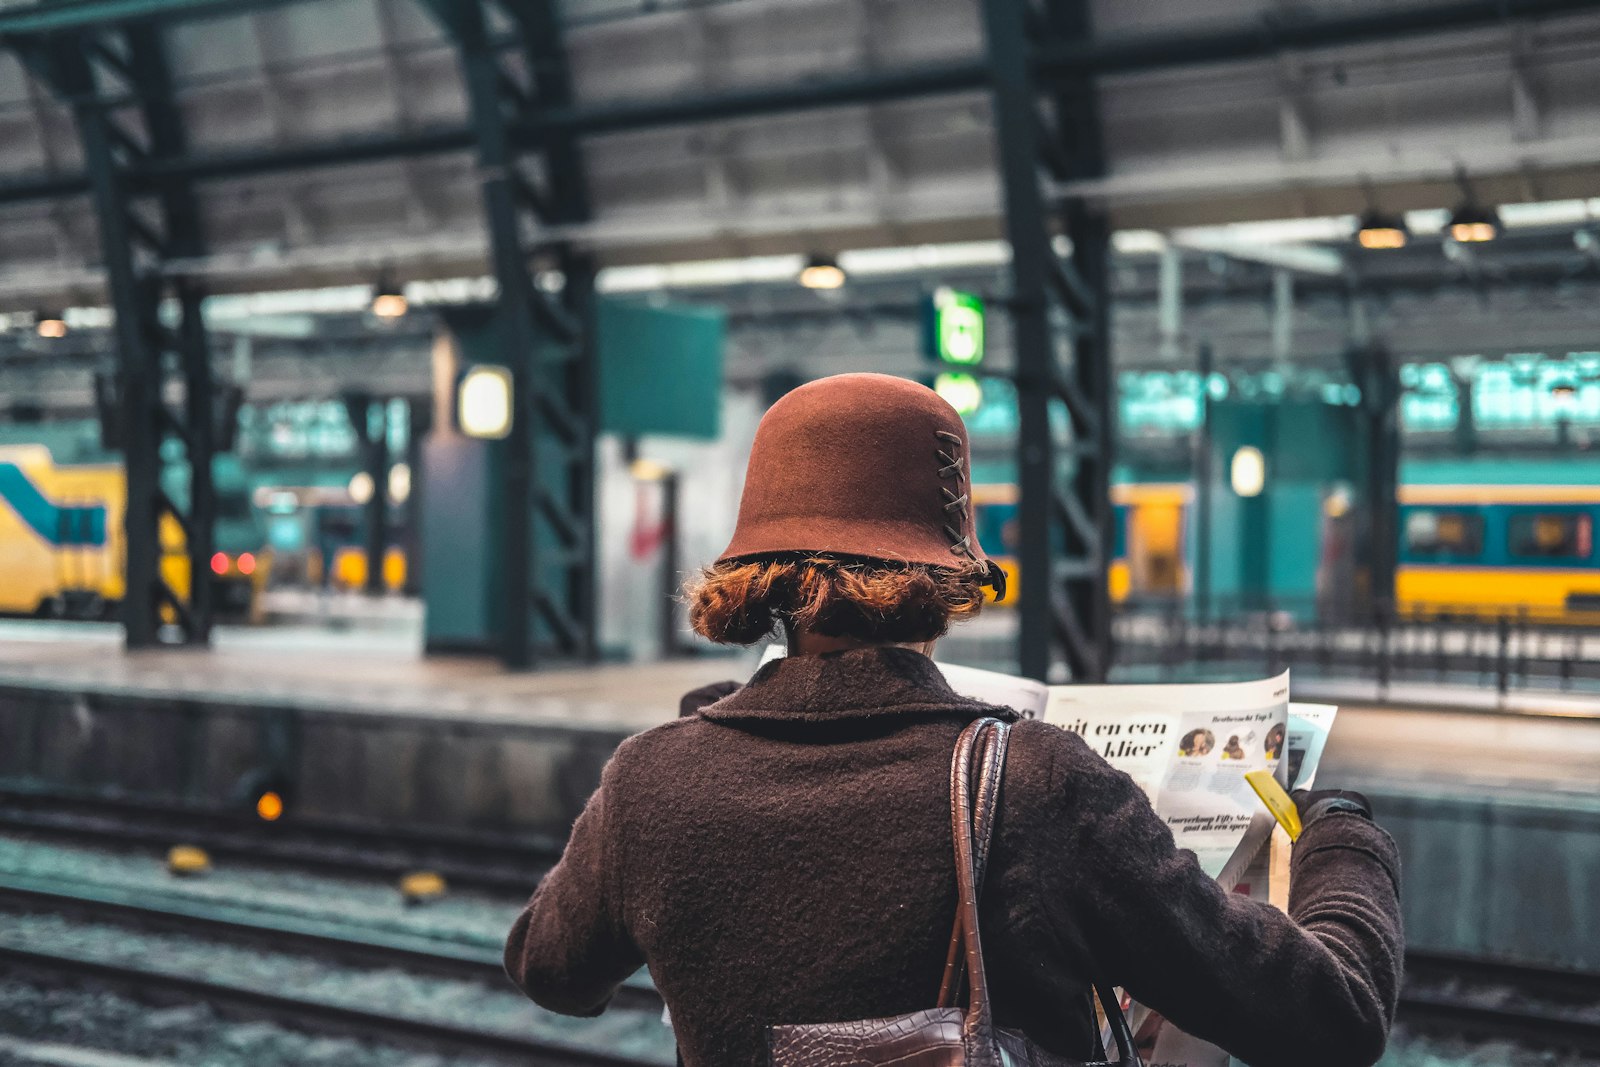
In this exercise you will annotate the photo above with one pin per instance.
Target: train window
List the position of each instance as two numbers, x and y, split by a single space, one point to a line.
1439 532
1550 534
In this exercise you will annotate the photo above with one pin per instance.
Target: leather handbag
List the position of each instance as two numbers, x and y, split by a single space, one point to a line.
947 1035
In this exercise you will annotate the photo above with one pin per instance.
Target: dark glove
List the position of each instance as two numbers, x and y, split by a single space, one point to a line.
695 699
1315 803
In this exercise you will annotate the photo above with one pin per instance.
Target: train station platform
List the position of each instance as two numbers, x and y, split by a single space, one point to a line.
1456 738
300 700
365 670
1495 810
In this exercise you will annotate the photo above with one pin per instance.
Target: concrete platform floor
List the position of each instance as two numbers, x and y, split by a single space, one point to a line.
1548 746
361 670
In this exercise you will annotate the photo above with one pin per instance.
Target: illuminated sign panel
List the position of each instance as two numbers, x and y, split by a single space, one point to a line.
483 402
955 331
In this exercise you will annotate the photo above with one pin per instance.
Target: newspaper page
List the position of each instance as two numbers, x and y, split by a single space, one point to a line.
1188 747
1309 726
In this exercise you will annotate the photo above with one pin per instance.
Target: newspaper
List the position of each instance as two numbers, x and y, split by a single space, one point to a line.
1188 747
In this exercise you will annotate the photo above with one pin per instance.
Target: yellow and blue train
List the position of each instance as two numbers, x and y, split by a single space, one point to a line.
62 552
1483 550
1500 549
1147 559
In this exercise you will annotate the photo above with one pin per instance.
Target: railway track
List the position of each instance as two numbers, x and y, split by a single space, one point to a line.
308 936
1536 1006
300 936
308 1013
497 863
1542 1007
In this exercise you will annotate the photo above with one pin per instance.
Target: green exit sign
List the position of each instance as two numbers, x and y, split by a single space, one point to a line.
954 327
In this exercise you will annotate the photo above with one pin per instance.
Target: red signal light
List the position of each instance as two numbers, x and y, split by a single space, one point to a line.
247 563
219 563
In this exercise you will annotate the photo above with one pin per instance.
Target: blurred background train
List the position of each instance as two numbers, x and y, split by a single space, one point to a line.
1481 550
1463 549
61 541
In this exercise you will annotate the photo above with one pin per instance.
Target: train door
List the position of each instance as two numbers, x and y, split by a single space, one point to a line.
1151 521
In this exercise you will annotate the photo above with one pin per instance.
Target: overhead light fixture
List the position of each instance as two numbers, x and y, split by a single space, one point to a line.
649 470
1472 224
1380 230
822 272
51 324
388 302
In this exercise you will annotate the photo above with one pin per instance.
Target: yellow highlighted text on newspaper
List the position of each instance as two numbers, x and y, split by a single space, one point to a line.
1277 801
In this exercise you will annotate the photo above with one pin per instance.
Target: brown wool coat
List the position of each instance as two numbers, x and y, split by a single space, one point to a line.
785 857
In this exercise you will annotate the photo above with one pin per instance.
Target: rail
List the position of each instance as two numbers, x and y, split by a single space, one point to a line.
492 862
1548 1007
319 1015
418 953
1486 647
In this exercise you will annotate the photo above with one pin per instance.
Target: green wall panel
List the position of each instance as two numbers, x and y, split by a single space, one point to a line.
660 369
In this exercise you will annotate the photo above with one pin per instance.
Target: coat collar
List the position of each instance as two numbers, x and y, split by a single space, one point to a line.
855 684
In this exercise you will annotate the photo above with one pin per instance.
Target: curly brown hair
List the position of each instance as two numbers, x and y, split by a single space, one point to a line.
740 602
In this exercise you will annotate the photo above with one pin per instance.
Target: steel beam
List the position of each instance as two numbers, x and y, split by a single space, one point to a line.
369 419
1058 308
60 16
1274 33
545 313
1255 39
120 90
1373 369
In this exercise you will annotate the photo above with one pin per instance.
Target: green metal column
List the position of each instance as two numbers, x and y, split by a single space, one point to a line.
120 90
369 419
1058 310
1374 372
545 314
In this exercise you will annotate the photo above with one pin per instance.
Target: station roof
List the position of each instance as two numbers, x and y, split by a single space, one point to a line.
331 137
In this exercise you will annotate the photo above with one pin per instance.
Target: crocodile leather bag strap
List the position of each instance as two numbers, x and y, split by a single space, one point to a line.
989 755
947 1035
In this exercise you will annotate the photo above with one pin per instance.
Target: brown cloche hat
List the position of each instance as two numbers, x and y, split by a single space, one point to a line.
860 465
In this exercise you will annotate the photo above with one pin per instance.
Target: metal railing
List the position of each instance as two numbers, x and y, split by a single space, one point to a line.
1483 647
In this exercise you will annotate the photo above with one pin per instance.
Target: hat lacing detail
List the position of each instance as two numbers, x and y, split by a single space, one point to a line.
955 502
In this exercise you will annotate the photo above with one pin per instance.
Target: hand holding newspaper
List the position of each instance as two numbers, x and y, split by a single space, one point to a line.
1189 747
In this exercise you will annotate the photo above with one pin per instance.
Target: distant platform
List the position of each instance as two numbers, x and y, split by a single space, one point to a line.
359 669
1421 736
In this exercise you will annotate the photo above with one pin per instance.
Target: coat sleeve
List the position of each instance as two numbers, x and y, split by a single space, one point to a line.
570 949
1313 988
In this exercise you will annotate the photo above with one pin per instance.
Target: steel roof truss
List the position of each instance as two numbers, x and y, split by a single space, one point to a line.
120 90
545 313
1065 503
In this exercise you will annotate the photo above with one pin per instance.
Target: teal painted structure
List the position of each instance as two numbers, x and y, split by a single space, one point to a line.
660 372
1576 468
460 510
1267 548
660 369
461 513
